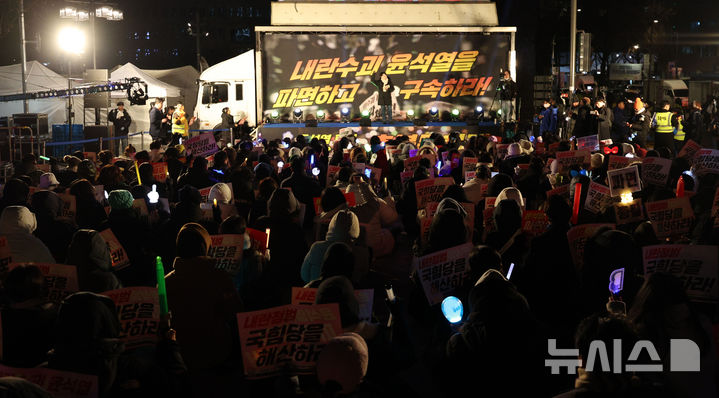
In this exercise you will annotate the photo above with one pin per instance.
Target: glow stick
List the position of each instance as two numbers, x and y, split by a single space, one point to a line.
577 203
161 289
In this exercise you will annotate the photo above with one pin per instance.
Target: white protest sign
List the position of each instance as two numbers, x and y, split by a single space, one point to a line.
590 143
706 161
598 197
201 145
286 339
365 299
118 255
227 251
671 216
626 213
695 265
655 170
624 180
578 237
59 384
139 311
442 272
60 280
431 190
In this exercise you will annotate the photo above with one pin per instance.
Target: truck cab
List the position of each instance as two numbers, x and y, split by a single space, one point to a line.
668 90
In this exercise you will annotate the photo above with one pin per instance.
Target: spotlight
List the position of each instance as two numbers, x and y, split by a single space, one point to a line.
274 115
434 113
455 114
478 110
321 115
345 114
297 115
365 121
410 114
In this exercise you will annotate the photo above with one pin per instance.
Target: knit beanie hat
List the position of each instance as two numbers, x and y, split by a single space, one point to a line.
220 191
120 199
343 361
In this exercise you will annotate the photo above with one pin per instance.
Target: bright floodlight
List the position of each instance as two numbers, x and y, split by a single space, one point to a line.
433 110
71 40
345 111
410 112
455 112
478 109
365 113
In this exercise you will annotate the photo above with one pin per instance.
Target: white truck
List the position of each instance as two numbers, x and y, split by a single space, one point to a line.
231 84
667 90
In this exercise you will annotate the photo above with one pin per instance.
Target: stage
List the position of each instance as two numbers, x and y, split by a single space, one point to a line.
327 131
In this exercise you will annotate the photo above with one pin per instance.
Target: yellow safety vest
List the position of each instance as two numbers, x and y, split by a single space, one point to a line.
182 128
679 134
664 122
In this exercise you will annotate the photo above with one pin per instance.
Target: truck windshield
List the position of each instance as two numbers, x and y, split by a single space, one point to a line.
214 93
681 93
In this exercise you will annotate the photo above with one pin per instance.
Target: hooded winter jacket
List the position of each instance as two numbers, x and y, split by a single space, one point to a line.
17 224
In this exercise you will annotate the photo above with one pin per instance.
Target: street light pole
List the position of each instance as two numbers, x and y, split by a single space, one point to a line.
92 28
23 67
197 40
572 46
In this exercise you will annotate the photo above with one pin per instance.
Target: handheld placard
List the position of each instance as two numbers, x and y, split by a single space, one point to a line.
161 290
452 309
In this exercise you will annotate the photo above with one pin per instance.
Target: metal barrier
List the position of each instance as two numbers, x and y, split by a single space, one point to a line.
99 140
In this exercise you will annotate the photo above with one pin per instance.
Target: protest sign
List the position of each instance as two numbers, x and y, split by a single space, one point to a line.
655 170
5 255
358 168
365 299
431 190
159 171
562 190
488 214
351 199
258 239
534 222
619 162
60 280
671 216
286 339
139 311
598 197
567 159
553 147
424 224
118 254
59 384
442 272
626 213
590 143
706 161
468 164
332 172
468 207
201 145
411 164
624 180
69 206
578 236
317 202
204 194
469 175
405 176
689 150
483 190
227 251
695 265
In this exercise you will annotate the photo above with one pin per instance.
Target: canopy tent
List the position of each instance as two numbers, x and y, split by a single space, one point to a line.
241 67
38 78
185 78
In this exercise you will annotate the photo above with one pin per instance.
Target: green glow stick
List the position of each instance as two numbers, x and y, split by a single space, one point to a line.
161 290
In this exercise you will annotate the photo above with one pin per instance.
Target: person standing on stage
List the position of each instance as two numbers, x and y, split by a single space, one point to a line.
384 96
121 119
167 126
157 118
180 124
507 93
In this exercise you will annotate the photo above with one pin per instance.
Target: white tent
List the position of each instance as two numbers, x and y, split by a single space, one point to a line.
38 78
185 78
155 87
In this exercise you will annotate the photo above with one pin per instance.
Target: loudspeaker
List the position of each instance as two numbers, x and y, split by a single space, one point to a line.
97 132
36 121
101 99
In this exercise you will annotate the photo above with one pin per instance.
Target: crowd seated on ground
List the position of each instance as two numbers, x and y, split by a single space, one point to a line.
527 241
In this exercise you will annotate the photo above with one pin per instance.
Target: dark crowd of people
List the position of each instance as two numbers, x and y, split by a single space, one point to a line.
407 347
631 121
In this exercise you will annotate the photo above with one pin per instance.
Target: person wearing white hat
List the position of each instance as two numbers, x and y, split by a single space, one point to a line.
48 181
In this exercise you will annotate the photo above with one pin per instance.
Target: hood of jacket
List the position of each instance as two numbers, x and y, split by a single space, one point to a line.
88 251
17 220
46 204
343 226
